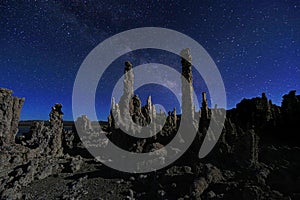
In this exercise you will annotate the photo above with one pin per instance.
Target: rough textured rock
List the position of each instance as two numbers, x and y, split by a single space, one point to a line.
38 136
10 108
204 108
34 156
75 190
136 111
56 126
84 123
125 103
187 85
246 148
198 187
130 107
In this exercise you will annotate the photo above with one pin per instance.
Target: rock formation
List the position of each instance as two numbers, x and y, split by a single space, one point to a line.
187 85
245 149
125 104
38 137
136 111
255 113
56 126
34 156
291 108
10 108
146 111
83 123
249 161
175 117
204 108
129 109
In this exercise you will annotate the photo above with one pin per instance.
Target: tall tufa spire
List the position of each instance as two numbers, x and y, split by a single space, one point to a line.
128 92
187 84
204 108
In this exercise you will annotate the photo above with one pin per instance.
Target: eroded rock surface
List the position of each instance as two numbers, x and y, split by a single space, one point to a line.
10 109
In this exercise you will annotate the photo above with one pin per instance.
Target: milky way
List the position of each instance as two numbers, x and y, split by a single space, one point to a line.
256 46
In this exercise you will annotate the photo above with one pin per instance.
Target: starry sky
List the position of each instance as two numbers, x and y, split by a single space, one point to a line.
255 44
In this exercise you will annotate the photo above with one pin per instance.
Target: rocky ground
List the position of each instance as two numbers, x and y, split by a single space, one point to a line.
256 157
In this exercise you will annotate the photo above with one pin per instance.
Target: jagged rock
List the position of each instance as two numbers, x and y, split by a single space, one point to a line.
130 107
35 157
125 103
146 111
175 117
130 195
24 174
139 146
56 126
291 109
187 86
94 139
75 189
69 137
73 165
43 168
83 123
246 149
38 136
136 112
48 140
179 170
255 113
10 108
262 175
212 174
11 194
198 187
204 108
211 195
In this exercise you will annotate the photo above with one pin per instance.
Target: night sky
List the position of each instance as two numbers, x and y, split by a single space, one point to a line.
256 46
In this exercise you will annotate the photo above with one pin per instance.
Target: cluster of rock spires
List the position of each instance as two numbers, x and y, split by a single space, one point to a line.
130 110
250 161
32 156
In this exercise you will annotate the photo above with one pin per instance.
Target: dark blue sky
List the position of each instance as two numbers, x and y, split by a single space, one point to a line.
256 46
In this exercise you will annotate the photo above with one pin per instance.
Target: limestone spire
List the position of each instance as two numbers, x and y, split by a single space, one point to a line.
175 117
128 92
113 103
149 103
128 79
204 108
187 84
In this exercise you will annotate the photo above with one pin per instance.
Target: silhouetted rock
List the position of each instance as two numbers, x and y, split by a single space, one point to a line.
245 149
254 113
291 109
